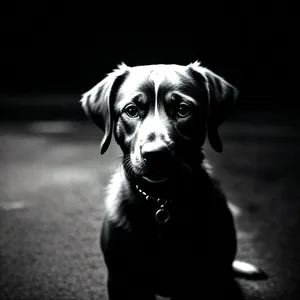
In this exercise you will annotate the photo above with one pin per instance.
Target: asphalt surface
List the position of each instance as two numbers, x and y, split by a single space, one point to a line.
52 179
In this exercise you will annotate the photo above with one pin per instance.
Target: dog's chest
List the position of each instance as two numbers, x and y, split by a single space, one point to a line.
165 245
170 255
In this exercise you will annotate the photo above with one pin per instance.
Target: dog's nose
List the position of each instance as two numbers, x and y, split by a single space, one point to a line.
154 153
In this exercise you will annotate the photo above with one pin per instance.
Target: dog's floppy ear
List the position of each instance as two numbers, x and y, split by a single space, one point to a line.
98 102
221 97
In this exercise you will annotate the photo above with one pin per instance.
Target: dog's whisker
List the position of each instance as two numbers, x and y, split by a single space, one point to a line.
122 159
141 165
187 166
127 165
125 159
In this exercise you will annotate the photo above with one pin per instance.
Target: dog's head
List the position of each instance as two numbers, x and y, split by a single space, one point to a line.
160 114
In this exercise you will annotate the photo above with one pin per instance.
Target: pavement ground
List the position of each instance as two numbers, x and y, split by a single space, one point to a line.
51 205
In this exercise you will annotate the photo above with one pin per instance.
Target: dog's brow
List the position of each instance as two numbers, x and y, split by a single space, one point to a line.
187 97
136 98
147 85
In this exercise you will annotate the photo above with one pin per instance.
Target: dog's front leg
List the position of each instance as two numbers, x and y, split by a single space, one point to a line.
127 270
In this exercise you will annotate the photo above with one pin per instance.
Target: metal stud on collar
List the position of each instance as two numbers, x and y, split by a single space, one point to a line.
162 215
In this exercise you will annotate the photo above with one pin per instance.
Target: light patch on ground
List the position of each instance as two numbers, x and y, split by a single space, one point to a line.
13 205
51 127
72 175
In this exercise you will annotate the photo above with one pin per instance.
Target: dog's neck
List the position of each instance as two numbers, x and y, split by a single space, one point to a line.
161 200
179 184
164 189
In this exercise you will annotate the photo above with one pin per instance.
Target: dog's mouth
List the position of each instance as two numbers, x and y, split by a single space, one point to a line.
157 174
160 171
155 179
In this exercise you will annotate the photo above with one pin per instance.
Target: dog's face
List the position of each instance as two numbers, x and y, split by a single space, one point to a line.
160 115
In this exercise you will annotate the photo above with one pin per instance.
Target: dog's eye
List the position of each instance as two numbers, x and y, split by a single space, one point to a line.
184 110
131 111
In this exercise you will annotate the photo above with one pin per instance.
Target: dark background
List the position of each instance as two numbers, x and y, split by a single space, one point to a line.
60 53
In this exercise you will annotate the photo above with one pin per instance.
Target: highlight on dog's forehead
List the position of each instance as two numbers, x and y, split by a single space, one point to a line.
152 78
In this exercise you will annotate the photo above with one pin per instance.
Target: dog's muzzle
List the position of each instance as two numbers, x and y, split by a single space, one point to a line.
155 153
157 159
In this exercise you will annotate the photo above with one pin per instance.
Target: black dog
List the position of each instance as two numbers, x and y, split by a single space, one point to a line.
168 229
